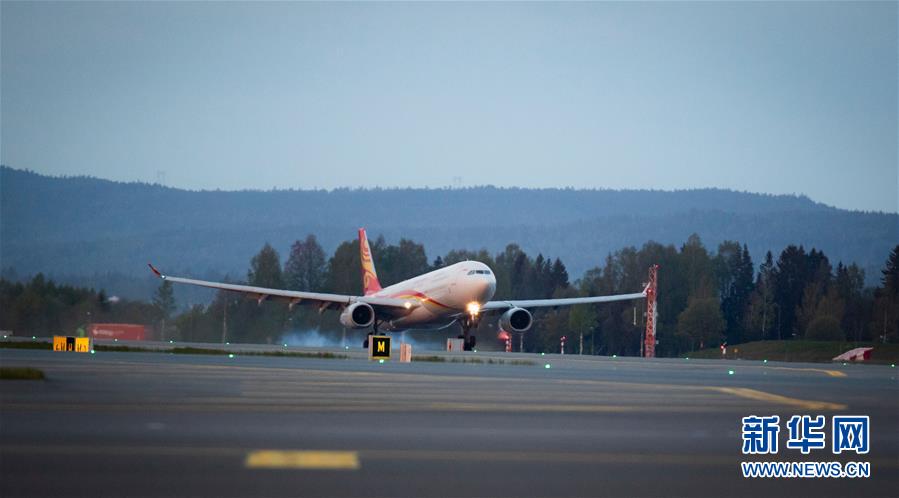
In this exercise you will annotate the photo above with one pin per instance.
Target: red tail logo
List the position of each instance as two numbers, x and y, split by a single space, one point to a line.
370 283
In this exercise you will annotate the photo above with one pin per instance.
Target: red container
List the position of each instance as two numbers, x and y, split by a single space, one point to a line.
121 331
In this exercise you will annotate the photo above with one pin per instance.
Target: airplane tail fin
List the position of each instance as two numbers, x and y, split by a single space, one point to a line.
370 283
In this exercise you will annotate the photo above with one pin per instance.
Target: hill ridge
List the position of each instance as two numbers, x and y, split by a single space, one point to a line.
87 226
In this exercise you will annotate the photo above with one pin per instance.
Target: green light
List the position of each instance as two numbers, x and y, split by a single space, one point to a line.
33 338
542 354
346 347
686 357
285 344
227 343
546 366
764 361
474 350
844 364
614 356
892 365
231 355
730 372
115 340
170 342
92 351
380 361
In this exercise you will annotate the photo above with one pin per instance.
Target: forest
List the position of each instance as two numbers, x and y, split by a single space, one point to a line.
706 297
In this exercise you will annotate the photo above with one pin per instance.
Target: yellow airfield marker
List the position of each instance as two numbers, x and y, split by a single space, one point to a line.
281 459
68 343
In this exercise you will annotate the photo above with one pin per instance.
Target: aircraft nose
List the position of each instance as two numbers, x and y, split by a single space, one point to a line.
486 288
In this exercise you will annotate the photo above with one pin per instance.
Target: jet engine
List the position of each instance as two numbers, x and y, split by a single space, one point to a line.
516 320
357 316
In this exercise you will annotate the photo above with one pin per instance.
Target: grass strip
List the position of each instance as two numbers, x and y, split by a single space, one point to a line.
21 373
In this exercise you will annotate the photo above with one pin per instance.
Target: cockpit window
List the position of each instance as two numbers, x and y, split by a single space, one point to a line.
479 272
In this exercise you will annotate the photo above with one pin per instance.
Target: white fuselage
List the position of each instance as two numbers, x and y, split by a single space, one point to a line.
443 294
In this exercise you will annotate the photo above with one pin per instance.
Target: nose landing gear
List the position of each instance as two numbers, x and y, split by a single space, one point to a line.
469 341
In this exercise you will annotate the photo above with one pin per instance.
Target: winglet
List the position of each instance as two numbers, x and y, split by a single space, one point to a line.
160 275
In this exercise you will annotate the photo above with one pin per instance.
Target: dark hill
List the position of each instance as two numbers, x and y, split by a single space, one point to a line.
81 227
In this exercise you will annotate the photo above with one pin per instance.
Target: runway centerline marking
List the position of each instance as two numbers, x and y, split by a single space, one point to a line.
310 460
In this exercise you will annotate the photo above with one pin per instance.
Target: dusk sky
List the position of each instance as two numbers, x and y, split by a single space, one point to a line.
793 97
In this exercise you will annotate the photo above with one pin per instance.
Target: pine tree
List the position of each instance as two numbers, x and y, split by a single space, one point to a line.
885 320
790 280
559 275
890 279
265 269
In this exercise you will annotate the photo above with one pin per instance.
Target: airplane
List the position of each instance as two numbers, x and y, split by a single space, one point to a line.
459 293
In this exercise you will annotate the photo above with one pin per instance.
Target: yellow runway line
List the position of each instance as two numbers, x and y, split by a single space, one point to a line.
280 459
832 373
747 393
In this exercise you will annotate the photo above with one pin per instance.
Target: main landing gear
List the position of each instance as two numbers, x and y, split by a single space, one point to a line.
374 331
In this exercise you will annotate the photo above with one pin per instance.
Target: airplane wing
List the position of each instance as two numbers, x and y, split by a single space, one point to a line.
391 306
542 303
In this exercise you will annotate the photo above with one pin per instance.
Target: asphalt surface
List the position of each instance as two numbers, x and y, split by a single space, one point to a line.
160 424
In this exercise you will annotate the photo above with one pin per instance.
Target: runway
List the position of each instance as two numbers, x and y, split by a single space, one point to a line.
159 424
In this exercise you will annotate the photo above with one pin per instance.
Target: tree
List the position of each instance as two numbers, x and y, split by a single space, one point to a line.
885 320
396 263
825 328
265 269
164 303
702 323
735 272
305 267
790 280
696 264
819 297
582 319
344 274
890 279
102 300
196 325
761 312
267 319
305 270
505 270
559 275
850 285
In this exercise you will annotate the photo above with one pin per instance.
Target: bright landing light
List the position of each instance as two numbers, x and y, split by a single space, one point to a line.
473 308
